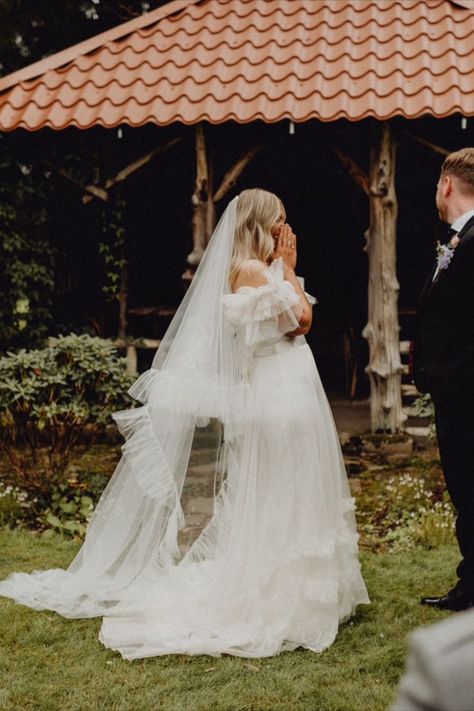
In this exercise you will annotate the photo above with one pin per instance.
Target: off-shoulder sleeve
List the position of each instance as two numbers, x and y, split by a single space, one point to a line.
265 312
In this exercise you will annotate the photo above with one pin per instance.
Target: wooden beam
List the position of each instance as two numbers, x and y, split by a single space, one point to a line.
94 190
234 173
152 311
382 329
437 149
136 342
354 170
128 170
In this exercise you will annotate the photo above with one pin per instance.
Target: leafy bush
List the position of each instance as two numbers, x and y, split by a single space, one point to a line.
418 514
69 511
65 508
16 507
425 408
427 528
26 256
406 510
53 404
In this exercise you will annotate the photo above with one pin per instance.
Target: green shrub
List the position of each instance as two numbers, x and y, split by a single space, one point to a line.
65 508
425 408
16 507
427 528
53 403
26 255
68 512
407 510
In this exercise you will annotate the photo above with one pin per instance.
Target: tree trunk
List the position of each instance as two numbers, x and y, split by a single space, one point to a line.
382 329
210 204
204 199
199 200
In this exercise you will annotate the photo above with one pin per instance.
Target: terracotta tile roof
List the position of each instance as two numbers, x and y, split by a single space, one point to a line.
242 60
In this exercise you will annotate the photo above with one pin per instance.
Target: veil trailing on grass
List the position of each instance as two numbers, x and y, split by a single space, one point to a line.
195 376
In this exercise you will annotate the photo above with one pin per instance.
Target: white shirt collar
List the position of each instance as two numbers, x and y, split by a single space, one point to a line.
459 222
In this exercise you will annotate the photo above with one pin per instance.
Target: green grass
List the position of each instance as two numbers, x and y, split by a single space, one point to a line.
48 663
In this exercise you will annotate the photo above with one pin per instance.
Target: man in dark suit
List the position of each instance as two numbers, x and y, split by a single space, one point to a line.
443 360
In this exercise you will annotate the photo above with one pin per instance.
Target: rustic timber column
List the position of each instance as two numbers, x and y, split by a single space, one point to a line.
382 329
199 200
204 198
210 216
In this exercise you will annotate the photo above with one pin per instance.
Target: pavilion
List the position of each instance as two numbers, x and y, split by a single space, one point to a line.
210 62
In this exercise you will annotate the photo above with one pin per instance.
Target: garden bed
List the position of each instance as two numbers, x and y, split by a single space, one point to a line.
407 551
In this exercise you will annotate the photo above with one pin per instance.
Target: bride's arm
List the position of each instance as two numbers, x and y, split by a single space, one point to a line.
306 318
285 247
253 274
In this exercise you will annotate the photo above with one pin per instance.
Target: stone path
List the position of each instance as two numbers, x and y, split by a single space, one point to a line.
197 498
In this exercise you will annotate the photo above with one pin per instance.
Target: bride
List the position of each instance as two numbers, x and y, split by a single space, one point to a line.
277 566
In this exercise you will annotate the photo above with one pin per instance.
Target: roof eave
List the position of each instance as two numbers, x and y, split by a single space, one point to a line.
59 59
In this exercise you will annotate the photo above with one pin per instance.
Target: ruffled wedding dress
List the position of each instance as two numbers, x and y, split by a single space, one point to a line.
277 566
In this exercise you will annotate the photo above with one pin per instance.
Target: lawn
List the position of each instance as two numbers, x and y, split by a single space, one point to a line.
48 663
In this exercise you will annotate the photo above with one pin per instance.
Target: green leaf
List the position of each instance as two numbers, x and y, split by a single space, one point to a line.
47 533
71 526
67 507
53 520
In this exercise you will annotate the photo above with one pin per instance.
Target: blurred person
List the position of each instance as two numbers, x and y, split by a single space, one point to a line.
440 668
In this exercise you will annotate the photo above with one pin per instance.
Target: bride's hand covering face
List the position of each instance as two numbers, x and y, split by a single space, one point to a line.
261 235
285 244
259 212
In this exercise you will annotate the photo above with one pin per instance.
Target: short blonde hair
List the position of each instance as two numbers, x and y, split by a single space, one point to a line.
257 212
460 165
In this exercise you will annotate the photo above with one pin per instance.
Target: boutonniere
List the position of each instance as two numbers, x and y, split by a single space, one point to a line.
445 252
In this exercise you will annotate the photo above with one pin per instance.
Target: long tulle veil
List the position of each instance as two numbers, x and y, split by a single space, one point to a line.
194 377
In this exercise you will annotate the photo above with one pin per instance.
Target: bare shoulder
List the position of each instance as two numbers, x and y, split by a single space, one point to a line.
251 273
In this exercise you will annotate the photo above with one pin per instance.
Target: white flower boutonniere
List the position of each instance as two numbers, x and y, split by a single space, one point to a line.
445 253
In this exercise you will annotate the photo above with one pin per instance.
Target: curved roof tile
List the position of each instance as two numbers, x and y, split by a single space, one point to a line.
242 60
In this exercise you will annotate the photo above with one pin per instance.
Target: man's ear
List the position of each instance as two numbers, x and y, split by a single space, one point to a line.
447 185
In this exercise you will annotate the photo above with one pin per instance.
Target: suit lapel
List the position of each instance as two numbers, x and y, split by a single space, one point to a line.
466 228
428 284
466 233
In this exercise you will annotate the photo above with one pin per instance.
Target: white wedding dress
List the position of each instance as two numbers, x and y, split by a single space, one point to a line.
277 566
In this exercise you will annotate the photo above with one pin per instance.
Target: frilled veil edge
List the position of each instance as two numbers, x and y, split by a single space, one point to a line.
195 376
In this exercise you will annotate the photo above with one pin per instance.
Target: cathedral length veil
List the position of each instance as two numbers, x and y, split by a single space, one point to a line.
194 377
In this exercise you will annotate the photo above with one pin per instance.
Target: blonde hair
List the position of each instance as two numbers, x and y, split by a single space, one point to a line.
257 212
460 164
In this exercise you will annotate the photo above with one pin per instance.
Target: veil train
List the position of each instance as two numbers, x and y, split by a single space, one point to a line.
194 377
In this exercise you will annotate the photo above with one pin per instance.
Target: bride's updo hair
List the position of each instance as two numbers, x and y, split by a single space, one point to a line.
257 211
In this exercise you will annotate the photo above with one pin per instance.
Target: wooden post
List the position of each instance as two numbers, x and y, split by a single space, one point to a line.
382 329
210 217
204 199
199 200
132 360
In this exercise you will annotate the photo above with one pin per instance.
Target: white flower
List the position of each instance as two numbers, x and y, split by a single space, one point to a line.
445 252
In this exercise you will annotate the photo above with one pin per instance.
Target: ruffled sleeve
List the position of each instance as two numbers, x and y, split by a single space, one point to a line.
265 313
